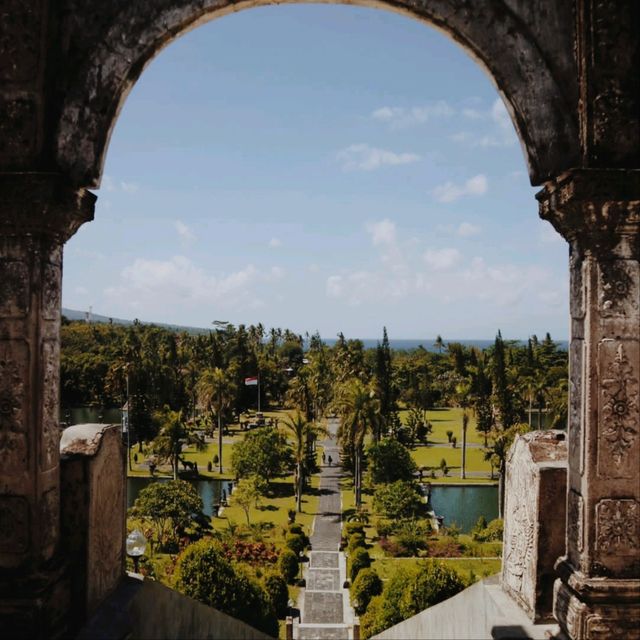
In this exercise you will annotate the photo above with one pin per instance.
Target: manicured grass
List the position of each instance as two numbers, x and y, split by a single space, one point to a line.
274 509
430 456
445 419
386 567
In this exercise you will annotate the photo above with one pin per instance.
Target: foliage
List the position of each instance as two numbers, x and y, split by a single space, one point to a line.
489 532
366 585
173 434
170 506
253 553
263 452
359 559
205 574
296 542
388 461
397 500
247 494
288 565
356 540
277 593
411 535
407 593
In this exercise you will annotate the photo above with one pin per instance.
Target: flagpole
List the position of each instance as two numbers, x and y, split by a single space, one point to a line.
258 393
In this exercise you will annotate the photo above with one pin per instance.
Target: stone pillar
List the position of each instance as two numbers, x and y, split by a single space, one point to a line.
38 213
598 592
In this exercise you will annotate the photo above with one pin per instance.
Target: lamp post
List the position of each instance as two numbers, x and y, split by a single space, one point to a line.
136 546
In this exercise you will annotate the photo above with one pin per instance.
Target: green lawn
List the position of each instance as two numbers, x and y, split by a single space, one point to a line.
449 419
430 456
386 567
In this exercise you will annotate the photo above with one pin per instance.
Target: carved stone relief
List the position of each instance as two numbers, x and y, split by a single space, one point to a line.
19 40
18 130
619 284
619 415
14 524
519 538
576 398
50 404
618 527
49 521
51 285
14 289
575 521
599 628
14 369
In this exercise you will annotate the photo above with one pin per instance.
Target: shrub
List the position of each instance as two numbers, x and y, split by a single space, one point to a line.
356 540
411 535
203 573
277 593
433 583
296 528
296 542
209 466
359 559
388 461
366 585
449 435
354 527
444 547
478 528
494 531
215 459
384 528
397 500
288 565
392 548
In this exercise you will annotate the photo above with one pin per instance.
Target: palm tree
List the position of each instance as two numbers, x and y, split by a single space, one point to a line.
359 412
216 392
463 393
172 436
303 431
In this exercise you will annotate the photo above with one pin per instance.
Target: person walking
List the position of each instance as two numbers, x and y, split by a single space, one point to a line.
330 460
324 458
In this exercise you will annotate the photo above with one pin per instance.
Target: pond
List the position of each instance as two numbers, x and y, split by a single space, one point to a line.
209 490
91 415
464 504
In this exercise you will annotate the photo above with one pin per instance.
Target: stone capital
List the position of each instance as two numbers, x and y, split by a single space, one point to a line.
596 210
42 204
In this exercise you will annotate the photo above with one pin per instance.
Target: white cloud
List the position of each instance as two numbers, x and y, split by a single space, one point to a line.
160 284
501 133
362 157
442 259
450 192
186 235
274 243
129 187
382 232
466 229
500 115
403 117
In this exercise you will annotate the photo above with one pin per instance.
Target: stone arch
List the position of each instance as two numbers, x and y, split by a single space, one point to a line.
113 51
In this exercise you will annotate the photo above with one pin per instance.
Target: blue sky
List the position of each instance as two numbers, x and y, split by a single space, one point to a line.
319 167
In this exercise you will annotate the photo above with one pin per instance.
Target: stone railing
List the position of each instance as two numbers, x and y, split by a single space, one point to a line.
534 520
93 502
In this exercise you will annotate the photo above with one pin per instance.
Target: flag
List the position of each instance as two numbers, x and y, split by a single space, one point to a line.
251 382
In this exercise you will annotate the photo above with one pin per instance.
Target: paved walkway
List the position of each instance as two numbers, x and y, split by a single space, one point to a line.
326 613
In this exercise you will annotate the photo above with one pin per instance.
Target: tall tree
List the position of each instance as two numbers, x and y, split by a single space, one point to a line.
172 436
384 383
303 431
359 412
216 391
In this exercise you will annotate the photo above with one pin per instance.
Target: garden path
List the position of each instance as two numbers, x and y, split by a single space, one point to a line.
326 613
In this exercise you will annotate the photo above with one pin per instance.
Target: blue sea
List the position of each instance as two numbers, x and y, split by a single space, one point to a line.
429 343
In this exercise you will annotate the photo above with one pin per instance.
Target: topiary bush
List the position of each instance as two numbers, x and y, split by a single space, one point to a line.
353 527
359 559
296 542
203 573
356 540
366 585
277 593
288 565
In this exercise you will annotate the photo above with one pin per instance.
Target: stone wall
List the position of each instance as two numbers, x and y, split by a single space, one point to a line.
93 514
534 519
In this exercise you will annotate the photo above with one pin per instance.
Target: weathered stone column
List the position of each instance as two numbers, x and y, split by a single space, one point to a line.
598 212
38 213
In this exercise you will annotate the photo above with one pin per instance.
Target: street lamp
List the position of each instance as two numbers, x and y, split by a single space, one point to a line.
136 546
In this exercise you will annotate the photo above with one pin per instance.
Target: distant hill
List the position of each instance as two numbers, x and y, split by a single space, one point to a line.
400 344
74 314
